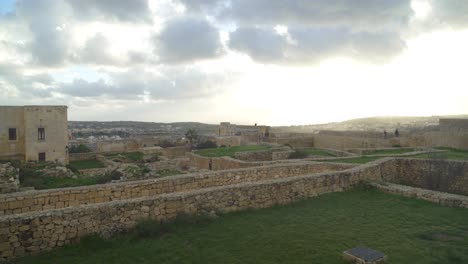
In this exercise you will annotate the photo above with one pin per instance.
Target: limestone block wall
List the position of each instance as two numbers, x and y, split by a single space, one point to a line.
260 155
280 155
30 233
439 175
31 201
175 152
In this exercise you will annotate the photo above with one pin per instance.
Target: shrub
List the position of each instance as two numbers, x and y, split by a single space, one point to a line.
207 145
81 148
298 154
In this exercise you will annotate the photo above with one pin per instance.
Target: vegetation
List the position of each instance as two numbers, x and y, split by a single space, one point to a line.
192 136
207 144
40 182
317 152
81 148
167 172
130 156
86 164
220 152
450 153
311 231
391 151
356 160
298 154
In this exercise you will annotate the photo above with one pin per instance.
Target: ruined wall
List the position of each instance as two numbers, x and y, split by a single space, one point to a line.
11 117
438 175
295 142
55 122
175 152
9 178
39 231
65 197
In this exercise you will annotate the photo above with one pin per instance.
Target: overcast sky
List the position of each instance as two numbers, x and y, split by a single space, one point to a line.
275 62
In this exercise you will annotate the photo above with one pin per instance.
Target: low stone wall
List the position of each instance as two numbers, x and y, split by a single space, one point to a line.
31 201
30 233
82 156
439 175
9 178
175 152
93 172
258 155
280 155
445 199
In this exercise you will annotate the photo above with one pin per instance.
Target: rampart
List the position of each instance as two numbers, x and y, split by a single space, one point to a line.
29 233
31 201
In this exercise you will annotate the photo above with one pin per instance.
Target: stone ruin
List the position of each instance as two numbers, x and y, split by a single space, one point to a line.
9 178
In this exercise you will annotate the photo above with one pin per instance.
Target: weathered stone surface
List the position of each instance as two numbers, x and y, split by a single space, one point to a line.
9 178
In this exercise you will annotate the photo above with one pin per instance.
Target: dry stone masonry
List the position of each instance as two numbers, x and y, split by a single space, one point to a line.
9 178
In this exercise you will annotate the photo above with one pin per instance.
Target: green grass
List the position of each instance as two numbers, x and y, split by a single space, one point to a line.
229 151
317 152
86 164
131 156
311 231
40 182
455 154
356 160
390 151
166 172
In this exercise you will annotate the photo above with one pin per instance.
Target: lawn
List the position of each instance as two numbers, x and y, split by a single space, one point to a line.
229 151
316 230
86 164
455 154
131 156
356 160
317 152
394 151
43 182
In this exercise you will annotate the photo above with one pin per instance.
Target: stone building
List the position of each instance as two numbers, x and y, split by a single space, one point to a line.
248 134
34 133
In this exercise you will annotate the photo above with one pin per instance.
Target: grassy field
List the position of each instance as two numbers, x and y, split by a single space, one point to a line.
317 152
390 151
42 182
312 231
131 156
456 154
229 151
86 164
356 160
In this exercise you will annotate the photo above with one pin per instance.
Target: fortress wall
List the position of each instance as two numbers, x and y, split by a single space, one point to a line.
31 201
30 233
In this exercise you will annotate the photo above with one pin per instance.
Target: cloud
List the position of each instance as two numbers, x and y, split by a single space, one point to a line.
170 83
186 40
120 10
449 12
304 45
96 50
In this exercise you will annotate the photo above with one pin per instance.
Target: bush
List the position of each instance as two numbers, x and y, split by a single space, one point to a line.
207 145
81 148
298 154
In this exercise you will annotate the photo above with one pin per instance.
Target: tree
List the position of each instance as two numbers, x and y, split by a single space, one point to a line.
191 135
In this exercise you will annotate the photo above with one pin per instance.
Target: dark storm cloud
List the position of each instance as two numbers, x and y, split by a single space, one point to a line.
186 40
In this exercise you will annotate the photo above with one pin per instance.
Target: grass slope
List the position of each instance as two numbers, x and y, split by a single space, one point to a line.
317 152
86 164
390 151
229 151
311 231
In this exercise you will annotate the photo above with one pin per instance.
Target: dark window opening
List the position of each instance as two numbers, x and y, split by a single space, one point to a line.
12 133
41 133
42 156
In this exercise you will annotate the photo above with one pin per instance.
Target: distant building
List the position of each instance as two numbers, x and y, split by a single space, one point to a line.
34 133
248 134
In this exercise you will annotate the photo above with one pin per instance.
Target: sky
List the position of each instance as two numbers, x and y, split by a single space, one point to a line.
272 62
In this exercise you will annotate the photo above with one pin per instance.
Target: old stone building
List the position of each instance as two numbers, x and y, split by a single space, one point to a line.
34 133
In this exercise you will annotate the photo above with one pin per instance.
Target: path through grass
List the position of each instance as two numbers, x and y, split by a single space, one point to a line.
312 231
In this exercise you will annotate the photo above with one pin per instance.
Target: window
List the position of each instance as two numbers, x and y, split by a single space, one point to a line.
42 156
41 133
12 133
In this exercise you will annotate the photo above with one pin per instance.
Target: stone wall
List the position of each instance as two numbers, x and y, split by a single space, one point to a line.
93 172
258 155
438 175
9 178
31 233
66 197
